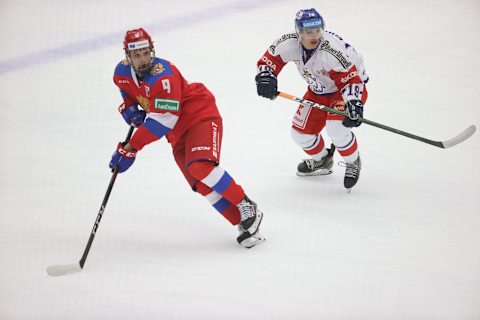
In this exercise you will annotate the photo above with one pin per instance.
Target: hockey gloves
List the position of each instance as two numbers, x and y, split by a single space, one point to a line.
354 111
122 158
132 115
266 82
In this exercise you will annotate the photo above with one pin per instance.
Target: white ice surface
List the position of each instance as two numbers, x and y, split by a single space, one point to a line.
405 244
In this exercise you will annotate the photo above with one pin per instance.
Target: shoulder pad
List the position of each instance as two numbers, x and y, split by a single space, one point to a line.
161 67
272 49
123 69
336 53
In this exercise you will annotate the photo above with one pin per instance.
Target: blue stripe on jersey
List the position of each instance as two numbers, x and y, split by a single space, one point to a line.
156 127
221 205
123 70
223 183
160 68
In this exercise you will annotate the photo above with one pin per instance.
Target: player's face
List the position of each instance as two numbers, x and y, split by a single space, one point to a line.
310 38
141 58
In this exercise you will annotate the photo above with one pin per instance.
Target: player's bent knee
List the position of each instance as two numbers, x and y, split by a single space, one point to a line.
303 140
201 188
200 169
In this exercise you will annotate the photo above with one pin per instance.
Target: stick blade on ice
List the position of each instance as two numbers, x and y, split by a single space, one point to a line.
464 135
63 269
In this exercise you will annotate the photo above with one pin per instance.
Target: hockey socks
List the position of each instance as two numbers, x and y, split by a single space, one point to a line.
217 179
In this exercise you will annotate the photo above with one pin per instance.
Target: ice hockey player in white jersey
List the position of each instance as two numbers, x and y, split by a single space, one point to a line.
336 78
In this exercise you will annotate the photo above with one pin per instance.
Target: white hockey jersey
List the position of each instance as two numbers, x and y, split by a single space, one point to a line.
333 66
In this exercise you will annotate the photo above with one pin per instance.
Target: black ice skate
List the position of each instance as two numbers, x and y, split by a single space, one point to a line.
311 167
251 217
352 173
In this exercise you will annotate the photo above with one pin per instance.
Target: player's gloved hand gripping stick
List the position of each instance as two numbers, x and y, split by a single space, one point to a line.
59 270
464 135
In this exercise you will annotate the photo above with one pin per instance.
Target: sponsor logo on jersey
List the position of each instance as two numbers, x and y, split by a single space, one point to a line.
325 46
215 139
157 69
349 76
283 38
144 103
167 105
271 49
269 63
337 105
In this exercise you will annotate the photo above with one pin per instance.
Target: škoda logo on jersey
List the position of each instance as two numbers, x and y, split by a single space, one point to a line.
167 105
269 63
349 76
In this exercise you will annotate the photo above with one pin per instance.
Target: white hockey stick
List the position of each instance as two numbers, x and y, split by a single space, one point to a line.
63 269
462 136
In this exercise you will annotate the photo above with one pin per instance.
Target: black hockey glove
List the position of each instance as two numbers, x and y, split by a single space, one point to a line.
266 83
354 111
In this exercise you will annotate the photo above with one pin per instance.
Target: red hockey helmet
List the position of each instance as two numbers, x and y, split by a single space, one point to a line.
138 39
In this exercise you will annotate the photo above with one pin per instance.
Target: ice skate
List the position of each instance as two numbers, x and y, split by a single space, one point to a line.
251 217
311 167
352 173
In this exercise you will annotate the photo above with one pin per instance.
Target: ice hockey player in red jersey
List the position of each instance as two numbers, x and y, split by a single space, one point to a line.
336 78
160 102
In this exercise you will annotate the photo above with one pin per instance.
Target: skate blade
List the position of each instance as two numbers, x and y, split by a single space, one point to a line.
321 172
349 190
252 241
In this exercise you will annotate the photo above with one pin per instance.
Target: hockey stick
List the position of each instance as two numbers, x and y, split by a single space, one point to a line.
462 136
63 269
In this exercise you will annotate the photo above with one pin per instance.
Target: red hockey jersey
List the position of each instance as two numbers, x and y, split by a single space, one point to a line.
172 104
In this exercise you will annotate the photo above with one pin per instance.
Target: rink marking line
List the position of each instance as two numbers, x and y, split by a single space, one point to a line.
174 23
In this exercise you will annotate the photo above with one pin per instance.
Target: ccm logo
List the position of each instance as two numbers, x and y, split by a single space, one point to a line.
269 63
126 153
349 76
200 148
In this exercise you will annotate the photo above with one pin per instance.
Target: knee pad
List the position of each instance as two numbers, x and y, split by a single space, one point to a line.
305 141
201 188
200 169
340 135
